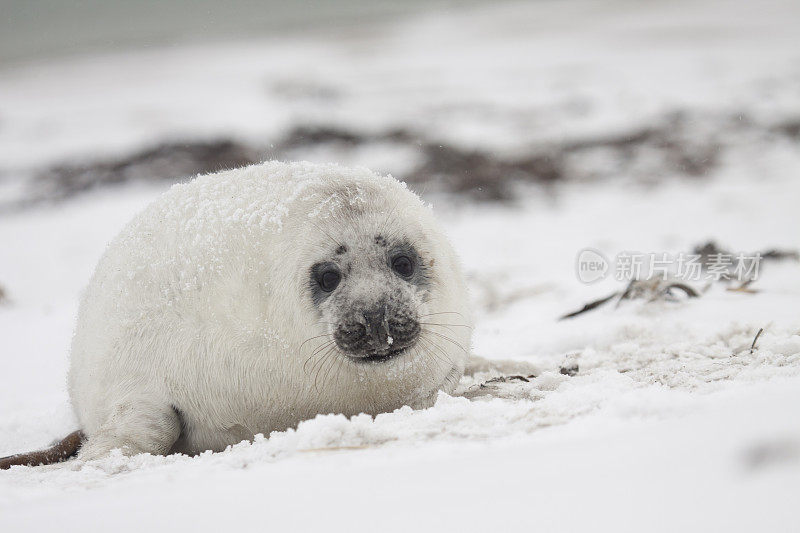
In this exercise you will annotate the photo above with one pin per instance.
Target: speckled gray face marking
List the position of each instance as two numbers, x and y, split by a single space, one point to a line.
370 293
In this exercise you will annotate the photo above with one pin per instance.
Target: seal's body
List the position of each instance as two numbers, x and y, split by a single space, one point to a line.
246 301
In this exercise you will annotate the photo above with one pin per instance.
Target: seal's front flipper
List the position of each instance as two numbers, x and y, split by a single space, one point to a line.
134 428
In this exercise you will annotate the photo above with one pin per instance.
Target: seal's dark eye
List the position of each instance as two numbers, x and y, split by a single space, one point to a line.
329 279
403 265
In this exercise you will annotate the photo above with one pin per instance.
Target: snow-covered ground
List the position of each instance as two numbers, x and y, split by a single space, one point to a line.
670 421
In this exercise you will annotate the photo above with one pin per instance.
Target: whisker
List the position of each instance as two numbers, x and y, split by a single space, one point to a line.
448 325
430 345
384 224
317 350
326 233
326 369
445 337
324 352
311 339
442 313
339 369
324 358
441 349
323 346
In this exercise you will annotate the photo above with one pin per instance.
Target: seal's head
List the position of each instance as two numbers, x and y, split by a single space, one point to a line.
370 292
383 285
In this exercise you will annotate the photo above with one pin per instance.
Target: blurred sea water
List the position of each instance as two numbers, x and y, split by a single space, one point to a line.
467 97
47 28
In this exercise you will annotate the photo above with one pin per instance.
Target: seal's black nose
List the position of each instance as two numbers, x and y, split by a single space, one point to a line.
377 332
377 327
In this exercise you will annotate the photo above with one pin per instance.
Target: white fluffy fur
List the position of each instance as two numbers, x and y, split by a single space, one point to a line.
201 307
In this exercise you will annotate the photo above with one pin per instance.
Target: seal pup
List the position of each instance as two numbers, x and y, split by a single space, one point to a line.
246 301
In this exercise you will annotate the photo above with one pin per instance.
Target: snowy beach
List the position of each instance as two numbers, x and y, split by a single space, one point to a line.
537 130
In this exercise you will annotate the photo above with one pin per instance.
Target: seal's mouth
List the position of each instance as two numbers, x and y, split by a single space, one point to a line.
376 357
